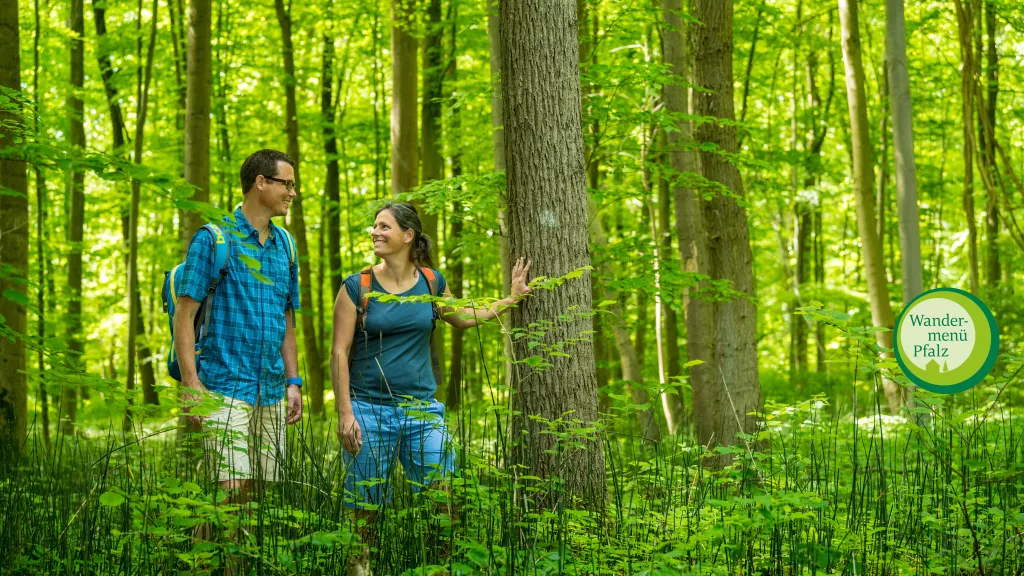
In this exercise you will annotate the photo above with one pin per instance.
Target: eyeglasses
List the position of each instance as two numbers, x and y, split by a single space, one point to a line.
288 184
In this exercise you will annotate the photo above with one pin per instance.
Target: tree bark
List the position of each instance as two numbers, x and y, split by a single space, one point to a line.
430 147
197 115
498 145
993 268
547 201
688 205
314 364
137 325
76 192
42 268
14 225
454 260
404 150
721 405
863 175
332 189
965 20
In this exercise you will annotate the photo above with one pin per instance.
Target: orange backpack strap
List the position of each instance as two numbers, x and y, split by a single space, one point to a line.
365 279
431 277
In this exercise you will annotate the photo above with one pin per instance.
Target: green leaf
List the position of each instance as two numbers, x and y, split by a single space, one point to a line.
692 363
251 262
16 297
111 499
260 277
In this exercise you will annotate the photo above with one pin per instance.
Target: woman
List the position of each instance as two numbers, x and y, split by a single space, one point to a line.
381 371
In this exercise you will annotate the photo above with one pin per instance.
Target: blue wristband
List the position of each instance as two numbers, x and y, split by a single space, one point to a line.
297 381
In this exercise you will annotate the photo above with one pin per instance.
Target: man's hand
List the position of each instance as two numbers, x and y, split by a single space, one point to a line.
192 393
294 404
349 433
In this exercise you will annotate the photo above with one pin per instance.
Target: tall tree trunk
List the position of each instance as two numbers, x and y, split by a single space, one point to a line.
14 225
136 325
863 175
404 150
197 115
332 189
672 398
455 258
993 268
721 406
547 201
142 354
903 150
42 256
430 147
965 20
332 183
75 110
688 205
313 364
225 171
629 357
498 144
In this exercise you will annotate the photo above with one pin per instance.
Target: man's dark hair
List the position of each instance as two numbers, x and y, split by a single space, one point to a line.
261 162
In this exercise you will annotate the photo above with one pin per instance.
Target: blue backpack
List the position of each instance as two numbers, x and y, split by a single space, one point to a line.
173 278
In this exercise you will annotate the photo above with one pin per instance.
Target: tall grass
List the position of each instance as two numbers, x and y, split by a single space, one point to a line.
826 486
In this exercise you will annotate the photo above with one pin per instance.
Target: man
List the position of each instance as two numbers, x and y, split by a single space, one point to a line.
248 355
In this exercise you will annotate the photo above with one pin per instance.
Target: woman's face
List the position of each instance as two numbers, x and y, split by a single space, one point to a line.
388 237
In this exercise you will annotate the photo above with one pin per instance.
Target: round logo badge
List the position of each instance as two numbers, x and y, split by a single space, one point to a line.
946 340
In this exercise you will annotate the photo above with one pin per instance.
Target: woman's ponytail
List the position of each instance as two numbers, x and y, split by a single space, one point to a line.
422 247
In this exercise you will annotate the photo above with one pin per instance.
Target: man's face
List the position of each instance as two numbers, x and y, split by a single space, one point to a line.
274 194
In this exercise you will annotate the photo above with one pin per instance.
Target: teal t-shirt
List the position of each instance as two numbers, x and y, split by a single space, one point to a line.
391 361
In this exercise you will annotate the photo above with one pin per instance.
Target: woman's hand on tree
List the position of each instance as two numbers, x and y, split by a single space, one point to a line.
349 433
519 279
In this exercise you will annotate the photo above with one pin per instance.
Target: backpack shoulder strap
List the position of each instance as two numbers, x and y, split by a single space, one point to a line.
362 301
431 277
221 252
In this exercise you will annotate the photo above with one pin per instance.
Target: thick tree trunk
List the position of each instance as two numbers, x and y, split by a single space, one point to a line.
197 115
430 148
404 146
14 227
903 150
547 201
313 365
75 110
692 237
863 175
721 405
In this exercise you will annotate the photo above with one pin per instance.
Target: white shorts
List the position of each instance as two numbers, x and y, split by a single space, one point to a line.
237 432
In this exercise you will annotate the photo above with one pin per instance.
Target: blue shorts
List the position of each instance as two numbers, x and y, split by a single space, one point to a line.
413 434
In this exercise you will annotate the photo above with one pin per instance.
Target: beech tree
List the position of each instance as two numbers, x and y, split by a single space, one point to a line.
14 228
547 216
721 403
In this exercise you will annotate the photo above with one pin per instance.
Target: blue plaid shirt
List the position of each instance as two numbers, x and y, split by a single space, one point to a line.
240 357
